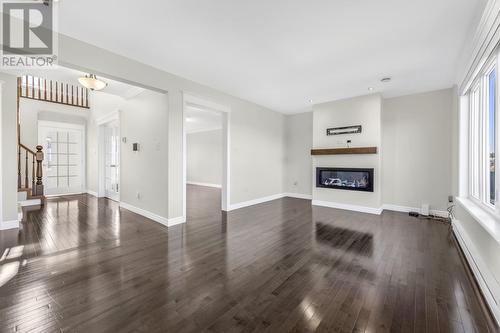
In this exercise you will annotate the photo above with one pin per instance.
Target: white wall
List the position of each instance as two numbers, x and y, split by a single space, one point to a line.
143 119
9 151
257 153
416 158
204 157
298 143
416 139
32 111
364 111
257 133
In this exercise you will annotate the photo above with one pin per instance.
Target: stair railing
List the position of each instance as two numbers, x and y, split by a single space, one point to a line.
25 157
32 87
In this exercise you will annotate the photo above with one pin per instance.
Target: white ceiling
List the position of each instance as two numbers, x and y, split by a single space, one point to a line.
282 53
200 120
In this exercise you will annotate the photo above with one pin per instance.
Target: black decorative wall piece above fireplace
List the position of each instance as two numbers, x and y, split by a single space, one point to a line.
352 179
344 130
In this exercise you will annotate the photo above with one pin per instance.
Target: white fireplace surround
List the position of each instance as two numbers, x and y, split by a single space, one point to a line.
364 111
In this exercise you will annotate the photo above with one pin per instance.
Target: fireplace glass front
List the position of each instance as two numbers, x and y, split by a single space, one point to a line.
353 179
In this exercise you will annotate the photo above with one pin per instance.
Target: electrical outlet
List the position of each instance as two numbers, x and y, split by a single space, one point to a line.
450 199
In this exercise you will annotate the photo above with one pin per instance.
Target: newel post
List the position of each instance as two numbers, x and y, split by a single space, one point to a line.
39 174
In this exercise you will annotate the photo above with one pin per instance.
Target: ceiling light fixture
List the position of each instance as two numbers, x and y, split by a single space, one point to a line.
386 80
370 88
310 101
92 82
46 2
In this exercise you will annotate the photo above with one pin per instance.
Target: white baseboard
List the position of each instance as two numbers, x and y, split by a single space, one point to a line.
22 195
204 184
30 202
6 225
406 209
356 208
255 201
298 196
440 213
176 220
145 213
268 198
152 216
402 209
93 193
378 211
486 281
63 194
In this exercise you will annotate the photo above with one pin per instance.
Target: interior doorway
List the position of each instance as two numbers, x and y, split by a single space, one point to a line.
112 160
109 156
206 156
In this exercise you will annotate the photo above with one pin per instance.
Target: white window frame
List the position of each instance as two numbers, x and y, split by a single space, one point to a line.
478 178
486 145
474 175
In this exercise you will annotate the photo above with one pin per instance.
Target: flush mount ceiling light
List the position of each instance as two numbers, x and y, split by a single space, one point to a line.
386 80
46 2
370 88
91 82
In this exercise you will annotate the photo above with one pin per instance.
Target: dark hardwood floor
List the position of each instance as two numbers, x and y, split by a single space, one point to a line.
82 264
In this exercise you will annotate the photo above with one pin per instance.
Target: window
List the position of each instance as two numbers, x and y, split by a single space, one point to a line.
483 137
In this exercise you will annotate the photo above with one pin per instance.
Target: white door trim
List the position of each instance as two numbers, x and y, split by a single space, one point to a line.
57 124
192 100
107 118
101 171
79 127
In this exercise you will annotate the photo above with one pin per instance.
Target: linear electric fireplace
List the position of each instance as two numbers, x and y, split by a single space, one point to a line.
353 179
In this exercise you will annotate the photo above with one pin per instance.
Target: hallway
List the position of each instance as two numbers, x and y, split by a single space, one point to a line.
83 264
203 203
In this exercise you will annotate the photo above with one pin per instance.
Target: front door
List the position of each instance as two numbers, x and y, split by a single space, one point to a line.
63 161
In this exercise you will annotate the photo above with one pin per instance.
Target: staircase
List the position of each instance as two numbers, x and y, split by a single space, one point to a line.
30 190
29 167
29 176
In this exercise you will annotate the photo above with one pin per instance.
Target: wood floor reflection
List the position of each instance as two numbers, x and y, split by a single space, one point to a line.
82 264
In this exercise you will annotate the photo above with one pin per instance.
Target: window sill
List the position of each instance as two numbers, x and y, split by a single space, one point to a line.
486 219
